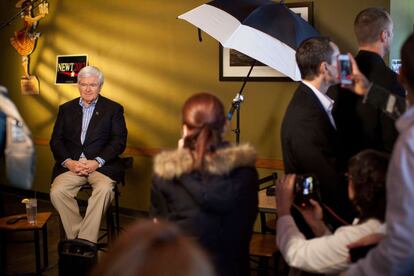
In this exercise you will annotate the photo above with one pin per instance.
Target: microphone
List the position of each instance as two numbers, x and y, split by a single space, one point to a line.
235 105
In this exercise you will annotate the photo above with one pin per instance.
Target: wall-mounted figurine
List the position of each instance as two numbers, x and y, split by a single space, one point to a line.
24 40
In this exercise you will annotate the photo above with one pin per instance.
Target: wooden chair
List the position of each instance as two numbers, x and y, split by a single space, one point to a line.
270 226
267 204
263 245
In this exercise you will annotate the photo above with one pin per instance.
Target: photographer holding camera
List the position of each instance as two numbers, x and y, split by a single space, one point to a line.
328 252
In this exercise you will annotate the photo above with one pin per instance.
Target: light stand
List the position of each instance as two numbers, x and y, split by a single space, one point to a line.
236 104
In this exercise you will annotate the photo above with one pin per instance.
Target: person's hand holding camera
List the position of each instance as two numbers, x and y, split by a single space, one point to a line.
313 216
284 194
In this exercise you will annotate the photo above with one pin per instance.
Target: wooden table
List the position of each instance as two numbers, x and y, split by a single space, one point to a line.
23 225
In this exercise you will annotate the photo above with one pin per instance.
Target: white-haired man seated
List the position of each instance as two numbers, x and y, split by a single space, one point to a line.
87 139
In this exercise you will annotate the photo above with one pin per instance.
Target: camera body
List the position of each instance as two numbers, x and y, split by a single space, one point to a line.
306 188
344 69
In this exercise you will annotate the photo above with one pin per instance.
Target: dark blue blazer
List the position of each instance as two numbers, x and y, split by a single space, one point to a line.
106 136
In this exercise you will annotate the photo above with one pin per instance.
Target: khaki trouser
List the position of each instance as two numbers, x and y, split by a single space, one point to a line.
64 189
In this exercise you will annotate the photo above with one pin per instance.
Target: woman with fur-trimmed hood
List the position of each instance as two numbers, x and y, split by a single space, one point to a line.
208 187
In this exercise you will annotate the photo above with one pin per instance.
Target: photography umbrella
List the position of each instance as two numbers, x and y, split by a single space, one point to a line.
266 31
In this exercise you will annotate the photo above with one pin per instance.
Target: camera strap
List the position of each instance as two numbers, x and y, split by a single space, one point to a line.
333 214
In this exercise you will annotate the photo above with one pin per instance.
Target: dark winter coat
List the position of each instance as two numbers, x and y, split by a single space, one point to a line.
218 207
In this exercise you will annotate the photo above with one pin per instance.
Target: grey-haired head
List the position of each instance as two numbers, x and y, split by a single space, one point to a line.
91 71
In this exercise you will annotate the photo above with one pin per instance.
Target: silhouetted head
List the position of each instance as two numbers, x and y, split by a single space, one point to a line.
154 249
367 173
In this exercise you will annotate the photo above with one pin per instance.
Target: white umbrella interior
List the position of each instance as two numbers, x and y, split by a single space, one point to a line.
213 21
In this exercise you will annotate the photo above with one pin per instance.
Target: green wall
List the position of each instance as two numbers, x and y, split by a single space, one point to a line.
402 11
152 62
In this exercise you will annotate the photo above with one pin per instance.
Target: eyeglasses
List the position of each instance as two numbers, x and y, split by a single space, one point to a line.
90 85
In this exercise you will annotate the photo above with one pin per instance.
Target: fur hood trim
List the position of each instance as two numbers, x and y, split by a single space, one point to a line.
170 164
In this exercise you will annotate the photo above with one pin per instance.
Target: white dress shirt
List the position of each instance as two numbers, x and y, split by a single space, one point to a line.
325 100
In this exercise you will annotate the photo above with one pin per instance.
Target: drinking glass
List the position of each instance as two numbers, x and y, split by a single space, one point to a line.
31 211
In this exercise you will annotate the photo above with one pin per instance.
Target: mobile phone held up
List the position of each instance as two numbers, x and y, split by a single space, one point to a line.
344 69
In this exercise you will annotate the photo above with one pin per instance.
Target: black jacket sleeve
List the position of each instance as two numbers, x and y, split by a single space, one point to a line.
391 104
57 145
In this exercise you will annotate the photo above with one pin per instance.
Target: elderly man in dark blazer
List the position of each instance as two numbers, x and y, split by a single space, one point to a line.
308 134
87 139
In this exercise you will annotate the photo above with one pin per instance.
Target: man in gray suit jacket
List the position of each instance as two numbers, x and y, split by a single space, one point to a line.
87 139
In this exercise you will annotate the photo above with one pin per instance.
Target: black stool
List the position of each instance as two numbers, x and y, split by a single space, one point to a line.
112 215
